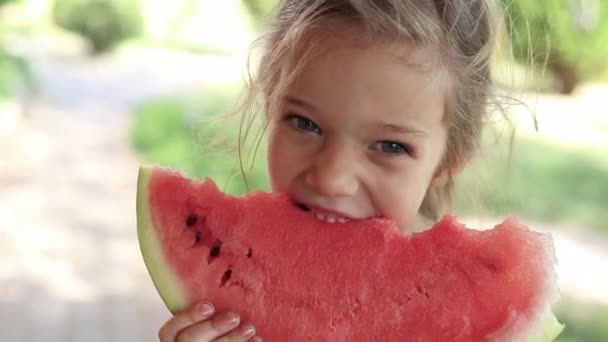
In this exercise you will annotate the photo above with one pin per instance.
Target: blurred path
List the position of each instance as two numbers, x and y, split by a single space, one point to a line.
69 263
70 268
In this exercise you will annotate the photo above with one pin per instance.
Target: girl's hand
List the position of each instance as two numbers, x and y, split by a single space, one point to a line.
201 323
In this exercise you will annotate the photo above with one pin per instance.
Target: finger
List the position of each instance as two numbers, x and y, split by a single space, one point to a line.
197 313
241 334
210 329
256 339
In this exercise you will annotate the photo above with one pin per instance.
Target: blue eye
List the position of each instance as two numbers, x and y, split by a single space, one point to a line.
391 147
302 123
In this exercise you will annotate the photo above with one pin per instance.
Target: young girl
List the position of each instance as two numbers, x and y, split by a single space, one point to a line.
372 106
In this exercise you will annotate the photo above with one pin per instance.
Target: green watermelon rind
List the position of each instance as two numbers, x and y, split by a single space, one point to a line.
551 328
165 281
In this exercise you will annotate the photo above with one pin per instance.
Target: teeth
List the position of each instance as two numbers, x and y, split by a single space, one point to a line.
330 218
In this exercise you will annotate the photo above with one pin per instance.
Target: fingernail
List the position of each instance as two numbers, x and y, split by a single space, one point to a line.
257 339
247 330
231 319
206 309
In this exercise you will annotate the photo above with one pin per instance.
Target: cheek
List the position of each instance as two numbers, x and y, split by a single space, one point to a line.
401 203
273 158
280 163
399 196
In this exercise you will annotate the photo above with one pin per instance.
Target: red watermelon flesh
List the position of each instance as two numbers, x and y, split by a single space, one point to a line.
299 279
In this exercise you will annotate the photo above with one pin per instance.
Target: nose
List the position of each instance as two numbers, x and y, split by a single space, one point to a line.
333 172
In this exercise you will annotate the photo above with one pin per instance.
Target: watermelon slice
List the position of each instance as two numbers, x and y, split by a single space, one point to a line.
299 279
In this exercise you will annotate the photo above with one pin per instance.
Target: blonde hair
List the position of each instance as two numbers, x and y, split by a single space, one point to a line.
463 31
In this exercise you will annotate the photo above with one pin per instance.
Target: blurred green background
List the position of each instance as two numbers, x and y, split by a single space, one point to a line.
549 164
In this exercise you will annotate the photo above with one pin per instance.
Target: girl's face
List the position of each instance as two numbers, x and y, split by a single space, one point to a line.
360 134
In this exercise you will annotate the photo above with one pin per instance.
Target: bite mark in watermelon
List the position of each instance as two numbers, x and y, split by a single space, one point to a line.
299 279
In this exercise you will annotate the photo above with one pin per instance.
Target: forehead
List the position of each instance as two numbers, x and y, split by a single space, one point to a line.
387 77
421 61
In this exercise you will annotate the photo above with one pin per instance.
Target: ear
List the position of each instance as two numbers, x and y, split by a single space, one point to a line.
444 173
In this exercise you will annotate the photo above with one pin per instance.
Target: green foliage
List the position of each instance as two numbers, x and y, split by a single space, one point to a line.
13 70
193 135
103 22
565 33
3 2
542 181
260 8
585 321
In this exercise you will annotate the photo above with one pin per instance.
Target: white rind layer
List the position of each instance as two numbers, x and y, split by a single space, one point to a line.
164 280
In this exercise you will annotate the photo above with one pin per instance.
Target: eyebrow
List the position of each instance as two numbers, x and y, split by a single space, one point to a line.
295 101
403 129
390 127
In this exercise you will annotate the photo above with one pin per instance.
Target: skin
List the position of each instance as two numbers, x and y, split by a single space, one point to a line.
359 134
201 323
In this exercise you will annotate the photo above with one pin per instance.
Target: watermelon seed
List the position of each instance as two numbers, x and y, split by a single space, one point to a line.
249 253
191 221
215 252
197 237
226 276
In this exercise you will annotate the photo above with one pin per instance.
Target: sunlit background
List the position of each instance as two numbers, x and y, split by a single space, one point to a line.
90 89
